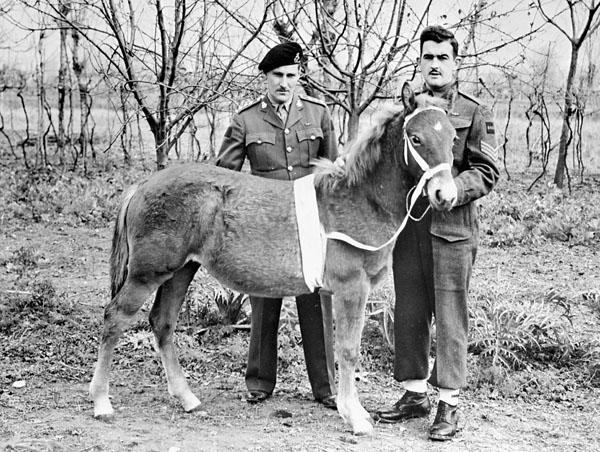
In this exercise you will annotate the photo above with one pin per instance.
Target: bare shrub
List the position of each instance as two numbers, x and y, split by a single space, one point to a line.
230 304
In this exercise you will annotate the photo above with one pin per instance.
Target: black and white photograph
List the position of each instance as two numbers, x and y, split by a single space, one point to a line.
291 225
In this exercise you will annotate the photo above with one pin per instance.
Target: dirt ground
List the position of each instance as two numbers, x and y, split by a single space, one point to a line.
52 411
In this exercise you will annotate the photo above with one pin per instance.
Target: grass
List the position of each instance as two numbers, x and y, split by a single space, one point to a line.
512 215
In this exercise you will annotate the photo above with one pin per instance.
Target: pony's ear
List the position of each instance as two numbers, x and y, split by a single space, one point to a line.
408 98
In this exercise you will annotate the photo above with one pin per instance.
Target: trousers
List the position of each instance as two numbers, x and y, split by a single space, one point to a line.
261 372
431 281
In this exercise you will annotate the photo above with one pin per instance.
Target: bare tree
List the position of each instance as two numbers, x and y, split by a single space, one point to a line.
152 60
83 83
40 144
583 21
473 20
582 95
174 60
64 7
167 122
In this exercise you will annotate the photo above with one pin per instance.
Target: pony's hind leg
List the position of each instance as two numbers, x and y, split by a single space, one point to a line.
349 307
163 318
117 315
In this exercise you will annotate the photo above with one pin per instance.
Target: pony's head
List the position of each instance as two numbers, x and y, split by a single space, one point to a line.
428 141
377 156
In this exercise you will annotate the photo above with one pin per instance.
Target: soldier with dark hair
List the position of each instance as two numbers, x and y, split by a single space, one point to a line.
279 133
433 258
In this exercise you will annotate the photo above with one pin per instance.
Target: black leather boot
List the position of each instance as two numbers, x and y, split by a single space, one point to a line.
445 425
256 396
328 402
411 405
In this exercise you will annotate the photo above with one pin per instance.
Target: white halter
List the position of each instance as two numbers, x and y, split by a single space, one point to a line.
428 173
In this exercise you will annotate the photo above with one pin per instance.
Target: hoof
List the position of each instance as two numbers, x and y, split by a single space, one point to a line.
103 410
194 408
362 428
107 418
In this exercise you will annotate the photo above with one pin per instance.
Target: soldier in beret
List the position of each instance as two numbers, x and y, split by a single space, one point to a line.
279 133
433 258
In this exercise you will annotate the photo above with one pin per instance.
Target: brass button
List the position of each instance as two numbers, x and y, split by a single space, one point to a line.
312 137
286 131
290 168
289 149
259 141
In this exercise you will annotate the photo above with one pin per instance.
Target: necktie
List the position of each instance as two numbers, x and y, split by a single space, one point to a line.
282 112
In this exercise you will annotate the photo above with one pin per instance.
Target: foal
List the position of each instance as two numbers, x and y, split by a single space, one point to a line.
243 230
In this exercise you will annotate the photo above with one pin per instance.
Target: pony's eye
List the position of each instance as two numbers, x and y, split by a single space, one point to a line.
415 139
455 139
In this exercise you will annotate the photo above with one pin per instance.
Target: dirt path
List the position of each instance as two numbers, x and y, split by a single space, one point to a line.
52 412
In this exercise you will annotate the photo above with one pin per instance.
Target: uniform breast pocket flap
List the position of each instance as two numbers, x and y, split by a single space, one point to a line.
309 134
260 138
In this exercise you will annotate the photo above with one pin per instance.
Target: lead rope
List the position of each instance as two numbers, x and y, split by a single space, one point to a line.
413 194
408 212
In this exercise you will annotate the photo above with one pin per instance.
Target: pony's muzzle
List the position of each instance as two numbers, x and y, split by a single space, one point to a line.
441 191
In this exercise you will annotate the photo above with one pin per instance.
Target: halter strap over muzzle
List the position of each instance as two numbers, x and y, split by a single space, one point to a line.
408 146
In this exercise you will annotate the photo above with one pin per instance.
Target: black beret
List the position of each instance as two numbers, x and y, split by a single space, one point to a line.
281 55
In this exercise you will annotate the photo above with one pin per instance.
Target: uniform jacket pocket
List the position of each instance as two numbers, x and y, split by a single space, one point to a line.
458 224
309 142
261 151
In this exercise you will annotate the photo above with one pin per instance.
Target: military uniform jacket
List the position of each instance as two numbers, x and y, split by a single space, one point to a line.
475 166
277 150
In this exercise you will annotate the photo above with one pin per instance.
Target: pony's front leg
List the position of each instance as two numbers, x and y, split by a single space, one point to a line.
349 320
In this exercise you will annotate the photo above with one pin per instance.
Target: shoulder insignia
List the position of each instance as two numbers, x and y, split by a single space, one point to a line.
313 100
250 104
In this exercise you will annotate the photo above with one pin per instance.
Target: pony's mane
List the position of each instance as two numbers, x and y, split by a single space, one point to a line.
364 153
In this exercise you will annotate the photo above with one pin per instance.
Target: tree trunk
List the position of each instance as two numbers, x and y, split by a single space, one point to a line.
82 87
40 146
561 164
161 139
125 126
62 82
353 121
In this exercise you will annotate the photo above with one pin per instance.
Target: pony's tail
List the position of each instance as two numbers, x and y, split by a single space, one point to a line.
119 255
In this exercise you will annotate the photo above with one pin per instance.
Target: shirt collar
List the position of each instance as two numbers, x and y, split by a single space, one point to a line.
275 105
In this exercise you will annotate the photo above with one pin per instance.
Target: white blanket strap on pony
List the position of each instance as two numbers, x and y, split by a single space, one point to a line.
414 194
